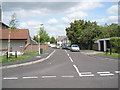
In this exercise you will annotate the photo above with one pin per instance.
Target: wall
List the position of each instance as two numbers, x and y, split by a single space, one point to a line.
95 46
33 47
15 44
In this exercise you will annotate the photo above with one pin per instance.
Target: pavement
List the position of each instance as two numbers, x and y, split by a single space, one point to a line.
33 58
97 54
64 69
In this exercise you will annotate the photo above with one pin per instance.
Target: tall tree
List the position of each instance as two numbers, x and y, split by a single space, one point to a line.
13 23
52 40
43 35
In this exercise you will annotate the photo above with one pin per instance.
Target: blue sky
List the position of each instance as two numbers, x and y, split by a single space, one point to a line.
56 16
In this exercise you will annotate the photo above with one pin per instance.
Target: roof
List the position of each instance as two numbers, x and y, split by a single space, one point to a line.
15 33
61 37
4 24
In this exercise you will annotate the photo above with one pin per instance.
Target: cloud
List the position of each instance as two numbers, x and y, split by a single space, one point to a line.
52 21
110 19
113 9
56 30
77 15
33 26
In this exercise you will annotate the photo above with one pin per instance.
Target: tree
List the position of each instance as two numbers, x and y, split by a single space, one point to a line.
13 22
52 40
43 35
83 33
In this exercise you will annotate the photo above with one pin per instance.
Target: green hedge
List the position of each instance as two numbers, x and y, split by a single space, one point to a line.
115 41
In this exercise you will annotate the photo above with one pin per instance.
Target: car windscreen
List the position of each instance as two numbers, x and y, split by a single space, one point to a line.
74 46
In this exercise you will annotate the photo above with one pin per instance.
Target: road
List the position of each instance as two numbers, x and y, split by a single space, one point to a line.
64 69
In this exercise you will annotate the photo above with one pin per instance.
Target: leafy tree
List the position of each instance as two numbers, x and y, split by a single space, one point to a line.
52 40
13 22
83 33
43 36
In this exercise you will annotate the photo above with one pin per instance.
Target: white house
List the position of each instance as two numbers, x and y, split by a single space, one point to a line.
63 40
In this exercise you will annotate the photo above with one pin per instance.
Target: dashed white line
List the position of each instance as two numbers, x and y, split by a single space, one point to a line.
70 59
86 72
110 74
103 72
89 75
10 78
77 70
67 76
48 76
30 77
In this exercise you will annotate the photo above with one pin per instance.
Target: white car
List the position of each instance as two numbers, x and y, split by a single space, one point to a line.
75 47
57 46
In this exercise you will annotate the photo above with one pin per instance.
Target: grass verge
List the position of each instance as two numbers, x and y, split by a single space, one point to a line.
3 59
113 54
32 53
90 50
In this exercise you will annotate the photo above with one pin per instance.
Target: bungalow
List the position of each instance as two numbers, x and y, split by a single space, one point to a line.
18 38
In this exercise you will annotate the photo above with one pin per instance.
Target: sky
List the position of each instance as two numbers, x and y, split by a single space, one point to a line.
56 16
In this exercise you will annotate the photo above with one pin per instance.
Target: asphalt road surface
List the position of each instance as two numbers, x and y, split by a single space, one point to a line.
64 69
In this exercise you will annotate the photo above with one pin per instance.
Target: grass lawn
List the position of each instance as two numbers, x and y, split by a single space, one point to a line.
113 54
34 53
3 59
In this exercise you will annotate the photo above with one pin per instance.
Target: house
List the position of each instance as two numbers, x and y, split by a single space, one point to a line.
20 41
18 38
102 44
3 26
63 40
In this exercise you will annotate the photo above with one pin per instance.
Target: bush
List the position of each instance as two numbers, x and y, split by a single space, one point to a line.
115 42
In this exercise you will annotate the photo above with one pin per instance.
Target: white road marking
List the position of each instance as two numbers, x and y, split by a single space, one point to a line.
68 54
10 78
48 76
110 74
71 59
103 72
77 70
67 76
117 71
30 77
89 75
86 72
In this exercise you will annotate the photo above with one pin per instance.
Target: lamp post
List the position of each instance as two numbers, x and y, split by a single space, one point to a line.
39 38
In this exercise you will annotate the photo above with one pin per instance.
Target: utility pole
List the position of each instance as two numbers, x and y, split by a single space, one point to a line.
39 39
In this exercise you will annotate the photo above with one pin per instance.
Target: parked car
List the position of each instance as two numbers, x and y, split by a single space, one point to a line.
57 46
75 47
69 47
64 47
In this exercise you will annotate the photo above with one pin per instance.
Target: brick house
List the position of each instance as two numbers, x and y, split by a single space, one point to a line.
20 41
18 38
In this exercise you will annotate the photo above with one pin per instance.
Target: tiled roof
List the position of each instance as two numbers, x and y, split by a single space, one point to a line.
15 33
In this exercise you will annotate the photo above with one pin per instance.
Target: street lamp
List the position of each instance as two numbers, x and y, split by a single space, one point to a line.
39 39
